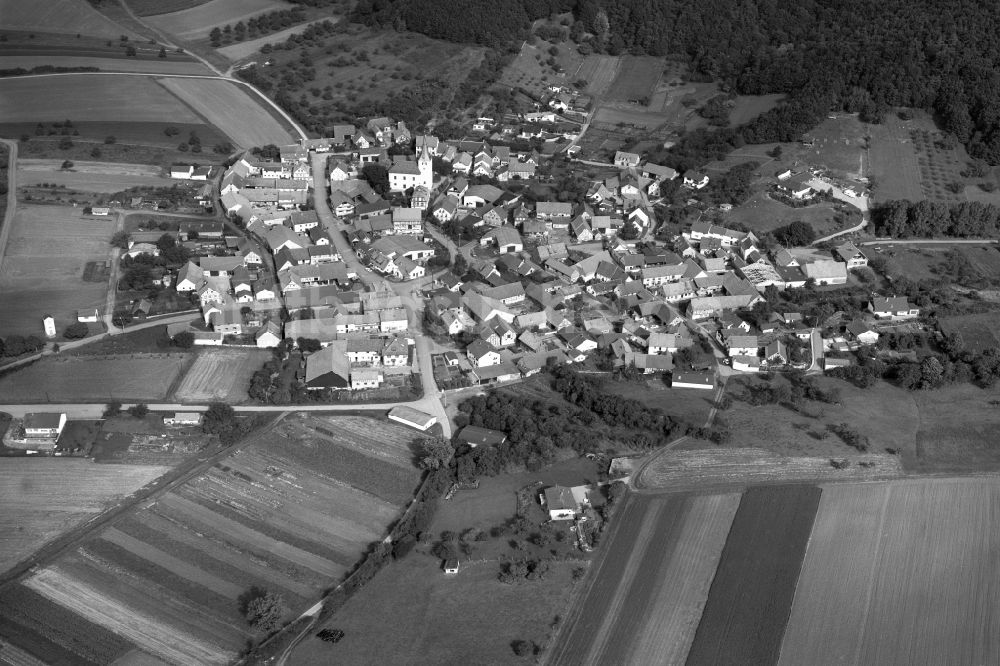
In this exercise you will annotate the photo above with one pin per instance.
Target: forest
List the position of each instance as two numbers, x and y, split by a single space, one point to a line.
853 55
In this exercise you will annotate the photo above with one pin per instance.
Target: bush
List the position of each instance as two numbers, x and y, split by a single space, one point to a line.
263 610
138 411
76 331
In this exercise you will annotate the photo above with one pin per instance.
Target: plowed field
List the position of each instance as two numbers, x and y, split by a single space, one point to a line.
222 374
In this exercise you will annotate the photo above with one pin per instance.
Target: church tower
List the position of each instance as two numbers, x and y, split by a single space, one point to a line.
426 165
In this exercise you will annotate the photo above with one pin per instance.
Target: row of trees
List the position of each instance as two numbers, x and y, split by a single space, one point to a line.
903 219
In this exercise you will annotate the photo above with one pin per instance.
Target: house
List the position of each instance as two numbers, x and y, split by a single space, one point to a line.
560 503
182 418
776 353
506 239
181 171
475 436
743 363
662 343
695 180
826 272
796 186
850 255
554 210
482 354
268 336
694 380
895 308
48 425
451 566
189 277
87 316
862 332
626 160
366 378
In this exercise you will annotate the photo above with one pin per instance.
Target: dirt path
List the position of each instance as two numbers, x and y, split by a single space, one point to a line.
8 216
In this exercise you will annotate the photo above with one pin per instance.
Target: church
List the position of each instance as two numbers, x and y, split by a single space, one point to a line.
405 173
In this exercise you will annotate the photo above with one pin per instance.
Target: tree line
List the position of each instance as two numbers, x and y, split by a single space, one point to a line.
928 219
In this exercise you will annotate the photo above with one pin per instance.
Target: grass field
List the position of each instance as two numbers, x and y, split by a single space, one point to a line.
154 7
240 50
228 107
62 16
147 377
979 331
278 514
43 497
222 374
90 97
839 146
89 176
196 22
151 64
636 78
899 573
751 596
958 426
411 613
687 406
894 163
749 107
644 598
47 250
762 213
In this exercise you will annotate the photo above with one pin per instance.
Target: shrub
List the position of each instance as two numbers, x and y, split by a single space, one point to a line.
76 331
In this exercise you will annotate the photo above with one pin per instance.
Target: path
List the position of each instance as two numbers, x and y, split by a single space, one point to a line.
112 297
8 216
291 121
858 227
164 37
934 241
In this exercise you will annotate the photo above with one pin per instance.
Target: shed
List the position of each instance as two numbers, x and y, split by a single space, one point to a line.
412 417
451 566
476 436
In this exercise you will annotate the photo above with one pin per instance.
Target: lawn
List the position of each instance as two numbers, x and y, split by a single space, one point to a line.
412 613
751 596
47 251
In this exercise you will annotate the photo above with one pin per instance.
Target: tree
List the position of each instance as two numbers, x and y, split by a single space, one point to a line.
96 152
67 164
795 234
138 411
219 418
130 51
377 176
434 452
163 53
121 240
111 409
263 610
110 139
76 331
521 648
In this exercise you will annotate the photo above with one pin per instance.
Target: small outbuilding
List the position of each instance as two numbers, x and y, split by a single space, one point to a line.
183 418
475 436
414 418
451 567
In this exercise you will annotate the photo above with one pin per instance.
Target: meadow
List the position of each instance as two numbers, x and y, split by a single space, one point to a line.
60 16
878 555
761 213
154 7
89 176
44 497
278 514
66 58
197 21
43 267
979 331
637 76
220 374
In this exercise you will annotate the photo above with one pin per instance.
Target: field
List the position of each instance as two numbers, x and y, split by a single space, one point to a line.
43 497
280 514
66 58
62 16
139 377
90 97
245 49
411 613
43 267
222 374
227 106
979 331
531 71
751 595
761 213
894 160
899 573
153 7
649 588
598 71
89 176
839 146
637 76
687 406
749 107
198 21
958 426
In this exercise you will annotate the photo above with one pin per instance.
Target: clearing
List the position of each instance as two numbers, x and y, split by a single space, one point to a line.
748 606
62 16
226 105
44 497
198 21
137 377
647 592
475 618
899 573
220 375
47 251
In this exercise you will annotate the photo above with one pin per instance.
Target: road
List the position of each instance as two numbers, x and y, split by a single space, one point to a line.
858 227
8 216
270 103
816 344
112 297
934 241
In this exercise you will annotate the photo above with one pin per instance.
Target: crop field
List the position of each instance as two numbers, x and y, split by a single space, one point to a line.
66 58
220 374
138 377
647 593
198 21
62 16
411 613
637 76
46 253
43 497
227 106
90 97
168 577
900 573
153 7
751 596
89 176
739 467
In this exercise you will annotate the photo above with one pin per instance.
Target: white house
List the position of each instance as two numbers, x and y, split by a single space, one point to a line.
560 503
695 179
44 424
894 308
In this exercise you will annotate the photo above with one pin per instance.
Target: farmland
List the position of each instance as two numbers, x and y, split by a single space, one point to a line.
897 171
67 58
899 573
647 592
197 21
637 76
43 268
89 176
61 16
222 374
43 497
138 377
751 595
282 513
761 213
153 7
227 105
411 613
958 426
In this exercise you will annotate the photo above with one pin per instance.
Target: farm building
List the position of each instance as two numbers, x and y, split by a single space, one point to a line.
182 418
329 368
451 566
560 503
412 417
87 316
695 380
475 436
49 324
48 425
103 210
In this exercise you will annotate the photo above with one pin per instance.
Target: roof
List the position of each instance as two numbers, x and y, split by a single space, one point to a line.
703 378
42 420
420 419
480 348
890 303
481 436
825 269
328 366
559 498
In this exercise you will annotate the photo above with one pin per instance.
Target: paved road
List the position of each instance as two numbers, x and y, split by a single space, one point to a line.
267 100
816 344
858 227
8 216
